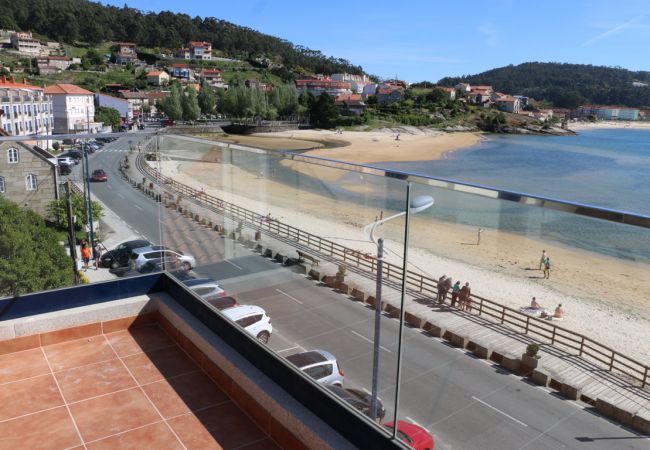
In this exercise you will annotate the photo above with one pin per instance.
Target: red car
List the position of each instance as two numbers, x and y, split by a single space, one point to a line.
413 435
99 175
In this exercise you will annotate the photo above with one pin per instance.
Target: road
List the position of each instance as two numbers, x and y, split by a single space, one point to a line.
466 403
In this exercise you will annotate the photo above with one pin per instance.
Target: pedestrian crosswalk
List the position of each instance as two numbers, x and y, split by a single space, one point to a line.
113 150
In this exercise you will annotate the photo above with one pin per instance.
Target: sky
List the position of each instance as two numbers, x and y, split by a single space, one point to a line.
429 39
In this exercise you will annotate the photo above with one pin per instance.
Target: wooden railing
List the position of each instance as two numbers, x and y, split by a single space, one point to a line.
543 331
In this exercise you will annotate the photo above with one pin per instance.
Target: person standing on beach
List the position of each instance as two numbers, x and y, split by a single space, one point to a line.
465 299
547 268
446 288
455 291
542 260
441 289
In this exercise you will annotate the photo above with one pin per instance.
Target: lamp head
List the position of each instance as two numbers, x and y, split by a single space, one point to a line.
420 203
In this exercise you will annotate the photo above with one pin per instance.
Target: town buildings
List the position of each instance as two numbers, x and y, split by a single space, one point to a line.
74 109
213 78
201 50
358 82
508 103
137 102
158 78
48 65
26 109
28 176
126 53
23 42
119 104
183 53
387 95
350 104
609 112
181 71
318 86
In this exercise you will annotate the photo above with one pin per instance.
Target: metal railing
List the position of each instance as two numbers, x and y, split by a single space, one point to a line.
542 330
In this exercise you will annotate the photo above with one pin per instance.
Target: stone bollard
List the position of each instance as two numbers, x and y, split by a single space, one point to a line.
279 258
571 391
434 330
391 310
511 363
345 288
482 352
359 295
541 377
315 274
457 340
268 253
259 248
413 320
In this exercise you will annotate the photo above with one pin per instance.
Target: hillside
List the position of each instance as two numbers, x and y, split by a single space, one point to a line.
565 85
73 21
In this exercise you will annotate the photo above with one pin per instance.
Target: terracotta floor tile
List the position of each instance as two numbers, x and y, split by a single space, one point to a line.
140 339
223 425
21 365
45 430
265 444
96 379
110 414
67 355
158 364
157 436
28 396
184 393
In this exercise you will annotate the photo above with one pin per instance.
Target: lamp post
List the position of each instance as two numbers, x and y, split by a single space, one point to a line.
416 205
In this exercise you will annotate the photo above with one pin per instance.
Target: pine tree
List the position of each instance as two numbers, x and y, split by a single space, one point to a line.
190 105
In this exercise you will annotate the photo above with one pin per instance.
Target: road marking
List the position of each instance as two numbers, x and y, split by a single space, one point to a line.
287 349
233 264
499 411
370 340
366 391
292 298
136 206
121 196
413 421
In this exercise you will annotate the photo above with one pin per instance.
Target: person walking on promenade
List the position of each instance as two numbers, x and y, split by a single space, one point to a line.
455 291
97 253
542 260
465 299
547 268
441 289
85 254
446 288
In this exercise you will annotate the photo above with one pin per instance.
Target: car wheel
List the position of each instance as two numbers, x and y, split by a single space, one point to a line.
263 337
186 266
115 265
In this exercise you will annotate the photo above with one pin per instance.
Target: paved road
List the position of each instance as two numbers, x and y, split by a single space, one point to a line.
466 403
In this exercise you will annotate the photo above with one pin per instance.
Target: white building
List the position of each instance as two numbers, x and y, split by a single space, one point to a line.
331 87
74 109
108 101
358 82
26 109
24 43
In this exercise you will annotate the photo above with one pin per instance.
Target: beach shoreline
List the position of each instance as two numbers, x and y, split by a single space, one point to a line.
502 268
636 125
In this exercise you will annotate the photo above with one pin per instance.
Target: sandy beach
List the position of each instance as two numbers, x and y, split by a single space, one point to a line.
605 298
577 126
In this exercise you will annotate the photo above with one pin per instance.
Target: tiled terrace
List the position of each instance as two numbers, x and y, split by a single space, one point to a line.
128 388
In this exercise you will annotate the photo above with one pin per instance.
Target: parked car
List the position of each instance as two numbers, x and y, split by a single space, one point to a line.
253 319
65 160
209 291
320 365
175 267
413 435
360 400
64 169
197 281
99 175
74 154
119 256
159 253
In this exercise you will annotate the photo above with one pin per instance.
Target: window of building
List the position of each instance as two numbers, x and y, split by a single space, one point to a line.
12 156
31 182
2 185
8 112
16 127
15 110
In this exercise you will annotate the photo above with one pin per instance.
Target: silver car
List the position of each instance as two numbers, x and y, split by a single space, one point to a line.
320 365
158 253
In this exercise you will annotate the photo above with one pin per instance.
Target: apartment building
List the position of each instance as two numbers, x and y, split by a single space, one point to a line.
318 86
25 43
26 109
74 109
201 50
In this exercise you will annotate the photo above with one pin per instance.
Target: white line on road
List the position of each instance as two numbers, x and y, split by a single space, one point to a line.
499 411
233 264
413 421
292 298
136 206
370 340
121 196
287 349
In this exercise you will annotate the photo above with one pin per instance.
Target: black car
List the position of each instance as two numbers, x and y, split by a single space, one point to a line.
360 400
74 154
119 256
64 169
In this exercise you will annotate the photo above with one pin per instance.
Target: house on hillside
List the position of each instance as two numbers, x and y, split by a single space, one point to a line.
358 82
158 78
74 109
201 50
318 86
463 87
136 101
508 103
23 42
389 95
183 53
450 91
350 104
180 71
126 53
48 65
28 176
213 78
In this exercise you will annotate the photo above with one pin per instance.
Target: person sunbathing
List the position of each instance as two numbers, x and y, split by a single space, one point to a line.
559 312
535 305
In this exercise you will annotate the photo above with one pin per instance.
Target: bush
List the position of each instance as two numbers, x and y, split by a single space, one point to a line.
532 349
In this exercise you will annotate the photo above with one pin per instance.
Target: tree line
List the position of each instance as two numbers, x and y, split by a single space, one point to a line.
81 20
565 85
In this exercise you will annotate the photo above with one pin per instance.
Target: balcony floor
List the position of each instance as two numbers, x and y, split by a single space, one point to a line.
127 389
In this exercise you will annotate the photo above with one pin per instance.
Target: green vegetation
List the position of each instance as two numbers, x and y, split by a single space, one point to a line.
31 258
565 85
80 20
58 209
109 116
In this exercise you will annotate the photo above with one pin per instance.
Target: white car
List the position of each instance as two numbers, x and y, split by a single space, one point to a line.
253 319
65 160
208 291
158 253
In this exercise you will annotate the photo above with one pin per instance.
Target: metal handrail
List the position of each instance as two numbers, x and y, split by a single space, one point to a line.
531 326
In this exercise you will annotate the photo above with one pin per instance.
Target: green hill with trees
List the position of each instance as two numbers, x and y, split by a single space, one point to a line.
71 21
565 85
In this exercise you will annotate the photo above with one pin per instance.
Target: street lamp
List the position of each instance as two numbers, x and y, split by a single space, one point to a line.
416 205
